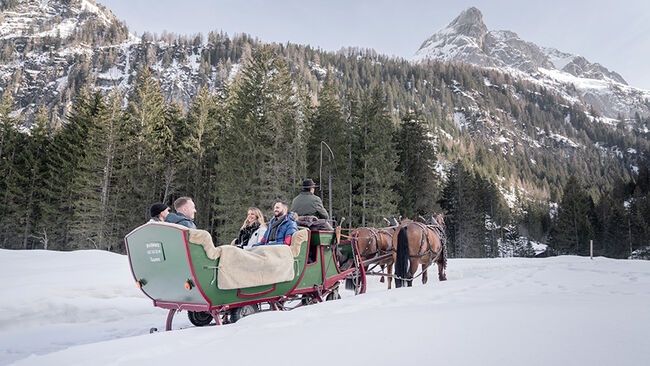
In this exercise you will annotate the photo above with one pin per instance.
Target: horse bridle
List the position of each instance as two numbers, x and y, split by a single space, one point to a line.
375 237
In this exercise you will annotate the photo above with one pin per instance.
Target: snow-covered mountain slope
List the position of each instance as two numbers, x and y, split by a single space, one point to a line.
52 18
83 308
467 39
51 49
46 47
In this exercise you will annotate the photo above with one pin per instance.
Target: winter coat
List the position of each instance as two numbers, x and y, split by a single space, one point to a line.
180 219
256 237
308 204
287 227
250 235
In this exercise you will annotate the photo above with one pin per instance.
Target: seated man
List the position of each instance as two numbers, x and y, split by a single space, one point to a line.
185 211
281 227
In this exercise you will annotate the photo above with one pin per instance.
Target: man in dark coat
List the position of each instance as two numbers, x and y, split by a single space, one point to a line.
185 211
307 203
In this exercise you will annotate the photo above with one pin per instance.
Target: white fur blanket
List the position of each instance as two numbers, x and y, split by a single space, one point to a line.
263 265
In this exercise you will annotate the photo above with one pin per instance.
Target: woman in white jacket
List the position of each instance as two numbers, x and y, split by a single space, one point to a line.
252 230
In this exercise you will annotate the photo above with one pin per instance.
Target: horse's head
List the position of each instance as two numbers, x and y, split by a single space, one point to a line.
436 220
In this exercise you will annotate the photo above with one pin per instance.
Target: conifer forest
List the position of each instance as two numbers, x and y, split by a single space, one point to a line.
379 127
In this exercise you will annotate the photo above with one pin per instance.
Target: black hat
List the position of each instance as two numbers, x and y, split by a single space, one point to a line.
157 208
308 183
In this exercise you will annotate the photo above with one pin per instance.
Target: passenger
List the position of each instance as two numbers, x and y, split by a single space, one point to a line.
307 203
252 230
281 226
159 212
185 211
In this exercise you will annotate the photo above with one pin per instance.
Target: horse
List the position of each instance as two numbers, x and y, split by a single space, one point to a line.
420 244
374 242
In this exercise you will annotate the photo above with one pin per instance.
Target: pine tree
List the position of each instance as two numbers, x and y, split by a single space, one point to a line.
572 228
200 146
35 163
419 184
328 125
139 153
376 173
65 173
9 186
464 216
258 164
91 182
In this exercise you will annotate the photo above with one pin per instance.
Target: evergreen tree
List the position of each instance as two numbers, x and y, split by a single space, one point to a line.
10 189
65 173
464 216
34 164
142 140
328 125
419 184
376 173
201 146
612 228
91 182
572 228
258 166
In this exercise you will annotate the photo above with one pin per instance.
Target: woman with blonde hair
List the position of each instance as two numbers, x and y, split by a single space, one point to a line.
252 230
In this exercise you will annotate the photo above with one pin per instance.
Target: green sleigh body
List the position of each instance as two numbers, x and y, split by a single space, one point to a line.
178 274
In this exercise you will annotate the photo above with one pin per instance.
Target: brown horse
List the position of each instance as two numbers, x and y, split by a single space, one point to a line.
419 244
372 243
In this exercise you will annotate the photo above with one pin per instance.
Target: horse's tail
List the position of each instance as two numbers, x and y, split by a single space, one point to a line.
402 261
442 260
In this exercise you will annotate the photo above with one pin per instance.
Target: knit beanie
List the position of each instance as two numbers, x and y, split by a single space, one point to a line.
157 208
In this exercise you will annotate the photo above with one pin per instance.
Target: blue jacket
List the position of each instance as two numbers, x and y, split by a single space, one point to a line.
180 219
287 228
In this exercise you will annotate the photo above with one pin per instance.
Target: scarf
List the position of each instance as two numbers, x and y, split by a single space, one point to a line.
273 231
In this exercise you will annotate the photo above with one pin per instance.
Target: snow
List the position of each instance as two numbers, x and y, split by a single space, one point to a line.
557 58
594 85
563 139
82 308
234 69
460 120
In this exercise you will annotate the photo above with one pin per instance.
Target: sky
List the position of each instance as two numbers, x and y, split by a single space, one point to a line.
615 34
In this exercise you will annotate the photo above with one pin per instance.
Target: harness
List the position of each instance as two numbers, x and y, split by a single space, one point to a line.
443 247
373 235
438 229
374 238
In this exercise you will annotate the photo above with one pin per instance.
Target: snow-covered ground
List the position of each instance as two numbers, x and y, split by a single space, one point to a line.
83 308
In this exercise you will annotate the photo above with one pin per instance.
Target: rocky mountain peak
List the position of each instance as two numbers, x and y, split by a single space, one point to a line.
467 39
469 23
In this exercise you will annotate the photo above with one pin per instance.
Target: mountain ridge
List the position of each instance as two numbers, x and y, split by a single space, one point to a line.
467 39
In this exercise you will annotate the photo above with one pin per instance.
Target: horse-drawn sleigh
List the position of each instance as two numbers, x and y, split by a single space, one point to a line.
180 268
